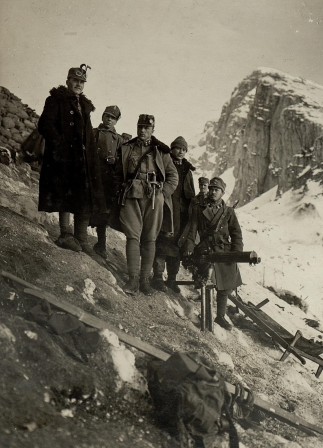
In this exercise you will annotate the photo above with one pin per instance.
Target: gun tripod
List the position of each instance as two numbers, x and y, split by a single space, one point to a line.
207 300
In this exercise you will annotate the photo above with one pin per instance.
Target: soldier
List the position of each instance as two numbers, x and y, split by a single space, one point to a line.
70 175
204 189
219 231
167 250
107 142
149 178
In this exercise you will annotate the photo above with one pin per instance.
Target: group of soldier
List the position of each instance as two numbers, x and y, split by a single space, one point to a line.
101 177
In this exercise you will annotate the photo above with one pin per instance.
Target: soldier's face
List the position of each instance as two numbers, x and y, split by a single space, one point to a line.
178 153
109 121
144 132
204 188
215 193
75 85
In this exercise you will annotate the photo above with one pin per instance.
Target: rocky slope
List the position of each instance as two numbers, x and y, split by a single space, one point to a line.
270 132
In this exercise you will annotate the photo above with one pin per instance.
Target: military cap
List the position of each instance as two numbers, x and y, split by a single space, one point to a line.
179 142
217 182
114 111
146 120
78 72
203 180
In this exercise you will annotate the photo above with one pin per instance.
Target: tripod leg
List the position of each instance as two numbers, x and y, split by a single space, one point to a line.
203 310
209 311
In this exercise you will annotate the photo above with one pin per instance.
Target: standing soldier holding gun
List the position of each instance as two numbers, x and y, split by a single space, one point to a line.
219 232
145 179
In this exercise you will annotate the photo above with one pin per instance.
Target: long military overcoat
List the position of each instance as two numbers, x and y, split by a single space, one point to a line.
70 176
218 233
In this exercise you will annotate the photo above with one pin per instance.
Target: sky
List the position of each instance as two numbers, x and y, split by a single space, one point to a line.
179 60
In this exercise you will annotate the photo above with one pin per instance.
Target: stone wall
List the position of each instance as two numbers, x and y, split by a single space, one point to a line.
17 121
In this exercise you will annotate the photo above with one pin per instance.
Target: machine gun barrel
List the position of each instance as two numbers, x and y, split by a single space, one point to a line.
231 257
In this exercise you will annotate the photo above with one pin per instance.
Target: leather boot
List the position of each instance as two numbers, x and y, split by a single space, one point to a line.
67 241
172 264
220 320
132 285
221 308
81 222
100 246
159 284
144 286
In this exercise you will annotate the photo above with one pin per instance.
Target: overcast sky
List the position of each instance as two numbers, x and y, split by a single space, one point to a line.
176 59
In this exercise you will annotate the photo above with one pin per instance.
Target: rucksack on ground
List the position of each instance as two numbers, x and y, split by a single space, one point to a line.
190 399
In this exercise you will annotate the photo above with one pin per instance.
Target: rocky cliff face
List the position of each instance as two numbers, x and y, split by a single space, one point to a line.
17 121
270 132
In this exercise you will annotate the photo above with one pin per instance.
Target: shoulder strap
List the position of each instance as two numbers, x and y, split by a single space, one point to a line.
149 150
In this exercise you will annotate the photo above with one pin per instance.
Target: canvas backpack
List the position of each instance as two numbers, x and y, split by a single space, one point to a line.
190 399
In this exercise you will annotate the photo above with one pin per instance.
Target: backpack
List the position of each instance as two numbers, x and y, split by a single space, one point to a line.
33 147
191 399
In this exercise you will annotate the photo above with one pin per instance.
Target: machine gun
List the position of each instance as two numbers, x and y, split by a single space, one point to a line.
200 265
231 257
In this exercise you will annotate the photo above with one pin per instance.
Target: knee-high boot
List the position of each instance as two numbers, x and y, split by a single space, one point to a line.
147 250
133 261
221 309
81 222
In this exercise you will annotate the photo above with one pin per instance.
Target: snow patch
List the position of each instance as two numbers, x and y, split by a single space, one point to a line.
31 335
124 363
5 333
88 291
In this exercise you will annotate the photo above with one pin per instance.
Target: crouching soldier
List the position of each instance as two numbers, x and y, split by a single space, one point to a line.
108 142
167 250
219 231
70 180
146 174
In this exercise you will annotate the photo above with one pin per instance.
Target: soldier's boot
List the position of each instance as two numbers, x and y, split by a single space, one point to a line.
147 249
221 308
66 239
81 222
100 246
159 267
132 285
145 287
172 264
133 260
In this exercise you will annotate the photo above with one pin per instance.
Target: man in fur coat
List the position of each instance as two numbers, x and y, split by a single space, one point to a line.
167 251
147 177
70 177
219 231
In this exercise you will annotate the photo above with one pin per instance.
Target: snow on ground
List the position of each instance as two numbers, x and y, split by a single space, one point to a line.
287 234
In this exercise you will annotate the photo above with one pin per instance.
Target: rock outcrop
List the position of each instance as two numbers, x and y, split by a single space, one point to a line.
270 132
17 120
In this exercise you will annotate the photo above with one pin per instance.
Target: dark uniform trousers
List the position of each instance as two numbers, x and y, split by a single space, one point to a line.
141 225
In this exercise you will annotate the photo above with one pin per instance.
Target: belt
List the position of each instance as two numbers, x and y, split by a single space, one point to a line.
148 177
